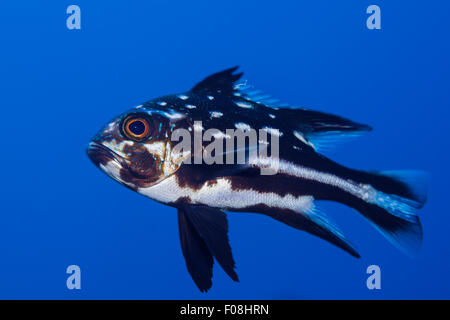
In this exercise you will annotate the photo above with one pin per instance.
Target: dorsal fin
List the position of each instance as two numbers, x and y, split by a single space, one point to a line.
320 130
220 82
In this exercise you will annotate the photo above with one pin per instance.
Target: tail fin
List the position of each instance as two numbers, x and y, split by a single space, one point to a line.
392 205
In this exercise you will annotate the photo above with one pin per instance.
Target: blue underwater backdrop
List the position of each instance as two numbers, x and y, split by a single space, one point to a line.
59 86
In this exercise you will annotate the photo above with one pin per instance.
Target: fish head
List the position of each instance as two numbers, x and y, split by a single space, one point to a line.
136 148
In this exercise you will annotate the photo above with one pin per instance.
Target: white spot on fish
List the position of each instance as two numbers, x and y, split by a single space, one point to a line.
183 97
272 131
155 148
241 86
198 126
138 107
300 137
242 126
162 103
272 116
190 106
244 105
174 115
221 135
215 114
111 126
210 97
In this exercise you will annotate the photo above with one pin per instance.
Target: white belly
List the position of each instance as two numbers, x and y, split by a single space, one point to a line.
221 195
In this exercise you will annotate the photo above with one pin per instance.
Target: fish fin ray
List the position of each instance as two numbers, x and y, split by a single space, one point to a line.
221 82
315 223
318 129
248 92
324 130
392 203
310 122
327 141
416 182
212 226
405 234
199 260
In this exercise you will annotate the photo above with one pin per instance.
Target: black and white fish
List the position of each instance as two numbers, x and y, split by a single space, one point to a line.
136 149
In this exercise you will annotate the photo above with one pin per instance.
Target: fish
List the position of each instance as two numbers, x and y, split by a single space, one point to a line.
137 150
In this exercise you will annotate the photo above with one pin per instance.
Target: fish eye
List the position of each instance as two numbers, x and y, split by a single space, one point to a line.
136 128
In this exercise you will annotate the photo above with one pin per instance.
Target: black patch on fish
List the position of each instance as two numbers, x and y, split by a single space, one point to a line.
221 82
203 235
199 260
142 170
195 176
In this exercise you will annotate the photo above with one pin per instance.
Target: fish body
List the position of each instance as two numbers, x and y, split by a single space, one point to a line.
138 150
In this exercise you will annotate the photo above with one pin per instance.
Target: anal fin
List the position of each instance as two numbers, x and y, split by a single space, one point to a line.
314 223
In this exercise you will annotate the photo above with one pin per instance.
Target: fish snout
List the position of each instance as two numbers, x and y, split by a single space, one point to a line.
99 154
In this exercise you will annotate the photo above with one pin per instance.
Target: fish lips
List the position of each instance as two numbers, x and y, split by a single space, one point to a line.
101 155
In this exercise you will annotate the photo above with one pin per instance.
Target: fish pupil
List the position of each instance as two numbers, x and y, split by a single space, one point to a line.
137 127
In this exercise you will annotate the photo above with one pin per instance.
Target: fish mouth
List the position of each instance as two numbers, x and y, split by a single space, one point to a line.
101 155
